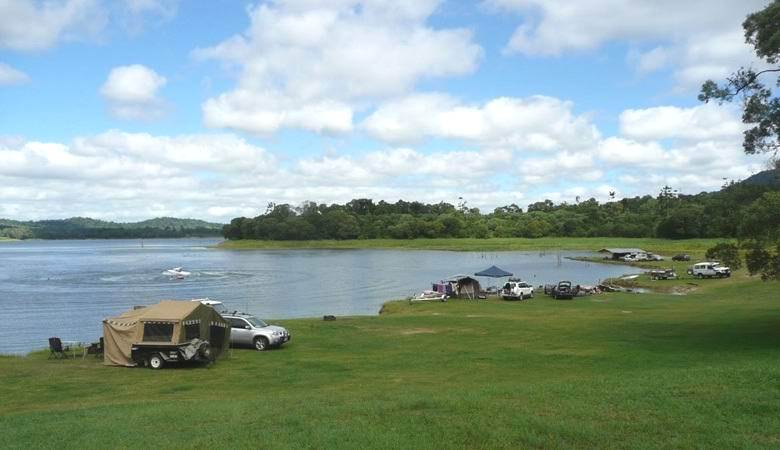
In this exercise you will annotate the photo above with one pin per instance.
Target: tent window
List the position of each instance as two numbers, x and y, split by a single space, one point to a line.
192 331
217 335
158 332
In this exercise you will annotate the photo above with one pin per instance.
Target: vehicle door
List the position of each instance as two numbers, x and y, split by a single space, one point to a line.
240 331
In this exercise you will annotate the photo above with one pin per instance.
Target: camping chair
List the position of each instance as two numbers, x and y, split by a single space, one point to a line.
56 350
96 348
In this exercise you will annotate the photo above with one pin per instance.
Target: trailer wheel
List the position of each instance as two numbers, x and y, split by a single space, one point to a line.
156 361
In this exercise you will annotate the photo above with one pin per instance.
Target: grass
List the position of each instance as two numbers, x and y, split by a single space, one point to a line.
608 371
664 246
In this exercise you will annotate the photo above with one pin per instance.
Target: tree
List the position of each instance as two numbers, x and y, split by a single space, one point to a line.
761 110
726 253
761 261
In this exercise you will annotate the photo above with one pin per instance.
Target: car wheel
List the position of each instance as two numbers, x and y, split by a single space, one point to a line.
261 343
156 361
699 276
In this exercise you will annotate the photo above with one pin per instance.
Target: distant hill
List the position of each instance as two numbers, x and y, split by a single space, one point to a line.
88 228
765 178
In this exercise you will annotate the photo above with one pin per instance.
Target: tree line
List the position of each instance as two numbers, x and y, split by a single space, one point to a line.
86 228
737 210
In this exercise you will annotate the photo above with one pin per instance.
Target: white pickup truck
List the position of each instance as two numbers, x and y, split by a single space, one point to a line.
515 289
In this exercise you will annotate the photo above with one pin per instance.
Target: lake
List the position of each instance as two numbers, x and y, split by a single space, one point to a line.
66 288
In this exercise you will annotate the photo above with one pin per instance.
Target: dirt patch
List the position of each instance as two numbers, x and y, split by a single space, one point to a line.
418 331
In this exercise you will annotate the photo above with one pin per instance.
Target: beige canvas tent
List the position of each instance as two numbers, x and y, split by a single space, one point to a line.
168 322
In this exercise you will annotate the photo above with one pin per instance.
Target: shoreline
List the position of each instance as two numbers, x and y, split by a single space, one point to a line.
550 244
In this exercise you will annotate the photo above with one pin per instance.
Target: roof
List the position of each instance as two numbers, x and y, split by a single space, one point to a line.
621 250
494 272
165 310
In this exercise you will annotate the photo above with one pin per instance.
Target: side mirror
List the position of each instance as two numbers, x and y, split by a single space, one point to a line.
247 327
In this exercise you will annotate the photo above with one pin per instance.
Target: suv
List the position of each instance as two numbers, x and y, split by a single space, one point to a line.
515 289
709 270
246 329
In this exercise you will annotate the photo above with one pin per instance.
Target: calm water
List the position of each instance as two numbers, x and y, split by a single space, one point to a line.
66 288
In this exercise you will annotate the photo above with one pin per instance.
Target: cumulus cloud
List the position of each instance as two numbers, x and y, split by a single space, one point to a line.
131 92
10 76
219 176
29 25
702 41
535 123
312 66
703 122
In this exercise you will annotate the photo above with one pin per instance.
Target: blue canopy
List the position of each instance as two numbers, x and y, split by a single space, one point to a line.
494 272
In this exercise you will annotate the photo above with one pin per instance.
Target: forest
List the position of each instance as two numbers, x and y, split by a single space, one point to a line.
737 210
86 228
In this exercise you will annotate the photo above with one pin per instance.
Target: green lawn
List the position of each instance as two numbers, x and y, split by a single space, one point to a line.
608 371
664 246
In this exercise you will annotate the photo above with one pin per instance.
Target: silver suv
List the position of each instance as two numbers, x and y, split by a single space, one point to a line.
246 329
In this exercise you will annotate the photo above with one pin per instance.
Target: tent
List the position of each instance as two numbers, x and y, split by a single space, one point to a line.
494 272
465 286
168 322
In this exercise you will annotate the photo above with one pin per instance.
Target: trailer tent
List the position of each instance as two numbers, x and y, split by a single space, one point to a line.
168 322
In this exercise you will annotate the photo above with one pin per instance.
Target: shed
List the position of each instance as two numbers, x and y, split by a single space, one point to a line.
168 322
617 253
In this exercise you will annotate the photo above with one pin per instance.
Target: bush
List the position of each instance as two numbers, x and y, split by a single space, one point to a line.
726 253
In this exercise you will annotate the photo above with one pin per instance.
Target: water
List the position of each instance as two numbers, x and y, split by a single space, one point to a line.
66 288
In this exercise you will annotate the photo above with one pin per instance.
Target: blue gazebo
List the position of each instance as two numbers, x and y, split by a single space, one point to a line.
494 272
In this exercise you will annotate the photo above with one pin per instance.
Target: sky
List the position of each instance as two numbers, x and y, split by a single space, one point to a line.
130 109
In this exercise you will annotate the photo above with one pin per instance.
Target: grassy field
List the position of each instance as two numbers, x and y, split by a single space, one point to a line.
663 246
608 371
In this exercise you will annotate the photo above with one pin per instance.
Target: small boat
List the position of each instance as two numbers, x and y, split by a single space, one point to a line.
176 272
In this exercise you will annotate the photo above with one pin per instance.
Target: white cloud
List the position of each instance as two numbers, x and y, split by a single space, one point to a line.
136 14
312 65
29 25
701 40
10 76
131 92
703 122
535 123
562 167
218 176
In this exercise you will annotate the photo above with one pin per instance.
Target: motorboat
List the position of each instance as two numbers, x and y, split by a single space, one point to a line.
176 272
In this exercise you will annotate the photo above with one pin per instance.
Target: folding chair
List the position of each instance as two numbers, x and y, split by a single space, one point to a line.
56 350
96 349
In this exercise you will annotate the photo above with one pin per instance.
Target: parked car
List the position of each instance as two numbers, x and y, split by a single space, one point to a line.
515 289
631 257
563 291
681 257
654 257
246 330
709 269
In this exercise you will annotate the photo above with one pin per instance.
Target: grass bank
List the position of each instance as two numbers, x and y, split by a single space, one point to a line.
608 371
663 246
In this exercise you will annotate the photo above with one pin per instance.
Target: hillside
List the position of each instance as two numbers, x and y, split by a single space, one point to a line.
88 228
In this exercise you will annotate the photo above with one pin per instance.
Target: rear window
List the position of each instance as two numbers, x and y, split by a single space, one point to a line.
158 331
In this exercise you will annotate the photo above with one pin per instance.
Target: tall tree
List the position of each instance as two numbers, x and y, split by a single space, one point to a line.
761 109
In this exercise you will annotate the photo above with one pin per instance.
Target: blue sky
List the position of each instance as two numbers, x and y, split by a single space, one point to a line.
137 108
